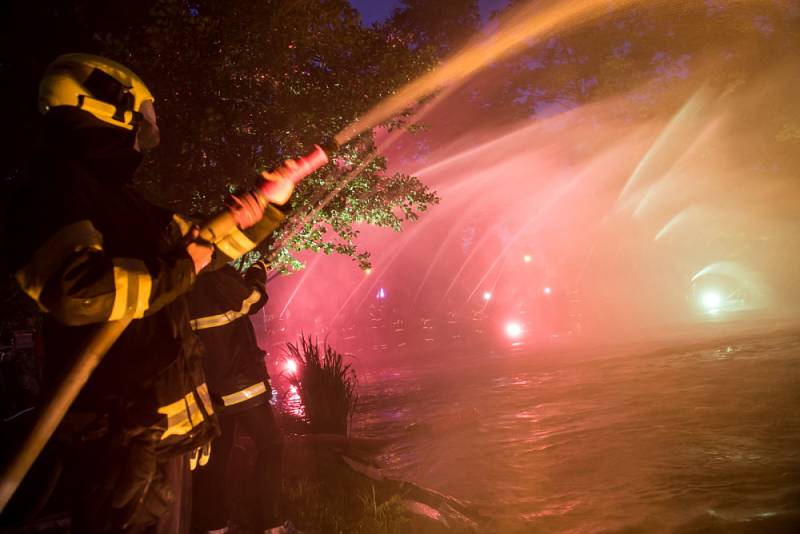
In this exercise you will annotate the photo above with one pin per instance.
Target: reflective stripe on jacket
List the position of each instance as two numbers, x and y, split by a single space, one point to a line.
245 394
220 305
87 248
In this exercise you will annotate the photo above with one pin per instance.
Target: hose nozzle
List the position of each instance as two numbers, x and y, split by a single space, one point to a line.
330 146
297 169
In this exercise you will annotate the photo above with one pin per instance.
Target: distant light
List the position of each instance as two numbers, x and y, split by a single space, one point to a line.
513 330
487 296
290 366
547 290
711 301
527 258
381 294
367 271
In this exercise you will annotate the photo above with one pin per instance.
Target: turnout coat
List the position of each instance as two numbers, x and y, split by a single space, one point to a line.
220 306
88 249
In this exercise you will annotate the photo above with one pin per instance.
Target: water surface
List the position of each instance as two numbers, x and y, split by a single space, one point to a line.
673 440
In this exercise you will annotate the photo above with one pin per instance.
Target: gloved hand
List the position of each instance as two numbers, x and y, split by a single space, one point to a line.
263 264
257 273
200 252
247 208
277 188
200 456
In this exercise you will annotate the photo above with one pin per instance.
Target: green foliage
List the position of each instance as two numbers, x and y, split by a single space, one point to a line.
326 385
246 261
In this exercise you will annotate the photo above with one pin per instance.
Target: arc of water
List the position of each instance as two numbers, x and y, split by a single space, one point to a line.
375 275
466 261
455 226
518 29
674 221
500 257
563 189
674 140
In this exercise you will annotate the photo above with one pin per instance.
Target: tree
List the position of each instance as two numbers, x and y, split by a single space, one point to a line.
656 54
239 86
443 26
242 85
652 51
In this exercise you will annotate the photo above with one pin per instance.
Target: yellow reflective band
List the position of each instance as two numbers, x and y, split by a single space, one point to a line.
213 321
120 294
247 393
183 225
205 398
195 456
235 244
183 415
200 456
132 287
205 455
104 111
54 252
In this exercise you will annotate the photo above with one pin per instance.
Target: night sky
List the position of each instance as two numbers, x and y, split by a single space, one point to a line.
377 10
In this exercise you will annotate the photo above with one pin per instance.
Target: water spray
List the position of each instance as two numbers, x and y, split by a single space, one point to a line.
520 27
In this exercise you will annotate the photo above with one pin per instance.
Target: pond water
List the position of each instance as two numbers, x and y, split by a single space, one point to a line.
687 440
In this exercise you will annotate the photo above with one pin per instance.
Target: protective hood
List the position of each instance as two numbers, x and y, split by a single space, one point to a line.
107 152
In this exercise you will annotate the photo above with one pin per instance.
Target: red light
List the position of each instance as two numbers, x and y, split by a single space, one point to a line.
514 330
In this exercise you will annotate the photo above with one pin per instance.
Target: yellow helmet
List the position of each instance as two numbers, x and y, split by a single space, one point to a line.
100 86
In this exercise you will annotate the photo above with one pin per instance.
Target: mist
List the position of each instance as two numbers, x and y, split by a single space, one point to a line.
666 210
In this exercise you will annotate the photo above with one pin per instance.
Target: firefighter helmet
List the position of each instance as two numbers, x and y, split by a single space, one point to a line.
109 91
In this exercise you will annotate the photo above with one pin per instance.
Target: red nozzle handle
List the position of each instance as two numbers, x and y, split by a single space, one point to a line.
299 168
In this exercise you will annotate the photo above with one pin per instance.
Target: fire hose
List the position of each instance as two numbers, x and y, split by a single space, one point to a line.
106 334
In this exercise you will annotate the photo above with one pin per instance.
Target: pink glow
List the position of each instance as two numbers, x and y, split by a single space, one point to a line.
615 211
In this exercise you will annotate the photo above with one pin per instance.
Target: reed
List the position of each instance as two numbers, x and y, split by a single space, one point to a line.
326 384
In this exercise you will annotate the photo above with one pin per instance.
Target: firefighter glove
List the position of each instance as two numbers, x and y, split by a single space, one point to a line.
247 208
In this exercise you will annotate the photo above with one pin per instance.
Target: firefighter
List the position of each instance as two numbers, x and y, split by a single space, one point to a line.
88 249
220 305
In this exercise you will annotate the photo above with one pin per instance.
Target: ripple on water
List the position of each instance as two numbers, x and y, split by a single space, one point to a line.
694 440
